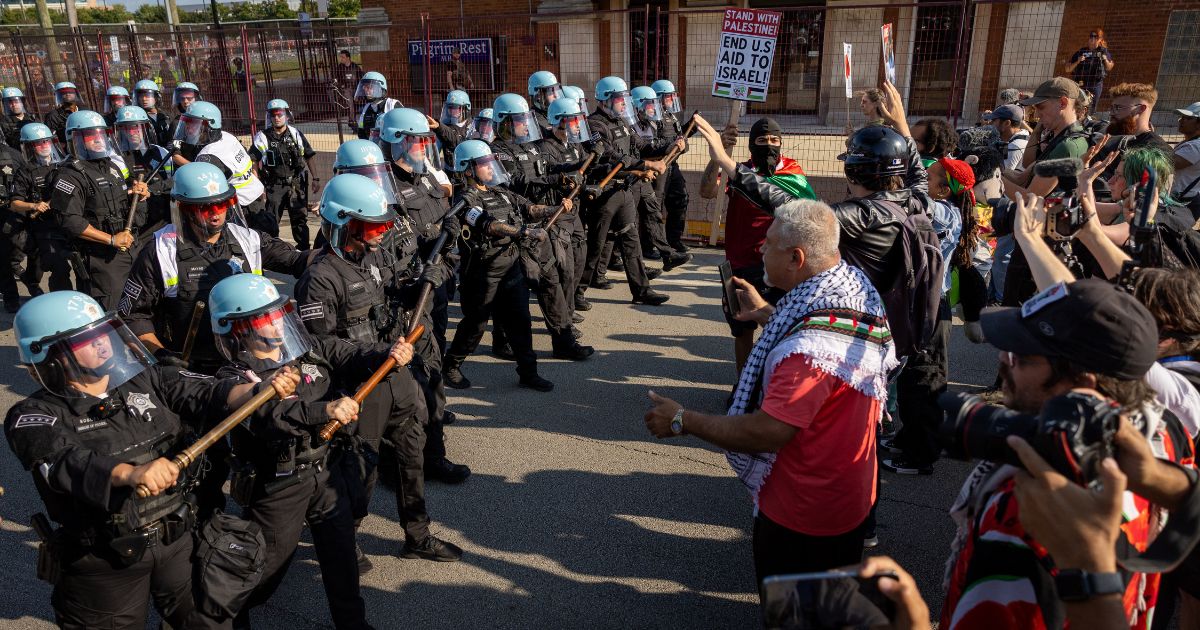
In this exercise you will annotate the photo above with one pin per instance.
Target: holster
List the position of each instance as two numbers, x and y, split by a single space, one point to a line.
241 484
49 561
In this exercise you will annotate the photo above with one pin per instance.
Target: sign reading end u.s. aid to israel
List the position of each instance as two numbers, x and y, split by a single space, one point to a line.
747 51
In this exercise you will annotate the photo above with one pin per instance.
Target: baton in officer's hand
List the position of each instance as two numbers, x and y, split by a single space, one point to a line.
359 396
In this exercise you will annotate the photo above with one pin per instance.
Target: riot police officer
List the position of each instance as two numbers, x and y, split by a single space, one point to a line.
283 157
578 95
372 88
492 282
32 198
66 102
649 119
91 200
565 149
16 116
613 208
14 233
182 97
114 99
544 89
147 95
285 475
134 138
454 123
199 131
482 127
342 295
105 421
671 188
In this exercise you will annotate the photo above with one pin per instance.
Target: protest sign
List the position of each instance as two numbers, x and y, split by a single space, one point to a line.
746 54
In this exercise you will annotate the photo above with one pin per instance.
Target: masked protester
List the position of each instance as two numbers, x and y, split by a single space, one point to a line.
372 92
50 251
16 116
283 157
106 421
66 102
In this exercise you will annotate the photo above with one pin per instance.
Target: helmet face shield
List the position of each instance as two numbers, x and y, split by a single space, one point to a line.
380 174
454 114
146 99
620 104
370 90
670 103
66 96
207 218
14 105
483 128
91 144
184 97
43 152
650 108
521 127
113 102
268 338
419 152
105 351
133 137
190 130
488 170
546 95
575 127
278 117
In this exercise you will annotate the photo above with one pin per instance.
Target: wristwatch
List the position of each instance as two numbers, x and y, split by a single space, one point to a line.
1077 585
677 422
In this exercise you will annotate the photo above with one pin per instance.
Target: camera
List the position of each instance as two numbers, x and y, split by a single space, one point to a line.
1073 433
1064 217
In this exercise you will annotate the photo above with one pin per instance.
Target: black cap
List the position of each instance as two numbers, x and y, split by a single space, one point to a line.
1089 322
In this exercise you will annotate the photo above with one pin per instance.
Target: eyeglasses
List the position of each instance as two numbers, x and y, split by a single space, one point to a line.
1116 109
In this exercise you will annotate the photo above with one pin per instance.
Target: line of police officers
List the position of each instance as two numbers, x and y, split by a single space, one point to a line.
168 231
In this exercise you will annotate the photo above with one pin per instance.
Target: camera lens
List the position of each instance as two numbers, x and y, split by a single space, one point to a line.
973 429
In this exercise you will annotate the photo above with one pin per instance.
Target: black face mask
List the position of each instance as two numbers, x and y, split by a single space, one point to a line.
765 157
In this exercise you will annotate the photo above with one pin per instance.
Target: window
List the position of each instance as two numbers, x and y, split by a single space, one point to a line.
1178 83
935 49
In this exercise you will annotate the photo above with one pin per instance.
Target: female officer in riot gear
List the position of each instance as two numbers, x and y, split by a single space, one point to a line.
31 196
105 421
135 140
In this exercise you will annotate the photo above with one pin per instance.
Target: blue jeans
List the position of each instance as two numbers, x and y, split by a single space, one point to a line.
1000 259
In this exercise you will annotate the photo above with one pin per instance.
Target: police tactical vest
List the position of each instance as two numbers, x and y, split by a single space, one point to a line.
496 204
166 245
232 154
529 161
370 114
424 200
282 154
669 129
363 289
615 132
105 198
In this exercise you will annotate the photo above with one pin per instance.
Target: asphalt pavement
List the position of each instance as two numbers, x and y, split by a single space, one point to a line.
575 516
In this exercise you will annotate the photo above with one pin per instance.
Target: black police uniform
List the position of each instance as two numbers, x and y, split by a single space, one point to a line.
16 244
286 477
281 159
113 552
671 188
94 192
53 249
56 120
649 204
11 127
425 203
157 208
160 124
449 136
569 234
370 114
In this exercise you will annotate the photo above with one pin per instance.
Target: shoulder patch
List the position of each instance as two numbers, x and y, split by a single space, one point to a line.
312 311
34 420
65 186
310 371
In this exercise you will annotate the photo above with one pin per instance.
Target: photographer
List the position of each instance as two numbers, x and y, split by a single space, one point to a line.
1009 123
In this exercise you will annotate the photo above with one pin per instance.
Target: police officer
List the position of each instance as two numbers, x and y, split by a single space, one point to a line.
565 149
91 200
182 97
147 95
482 127
544 89
31 197
454 123
199 131
286 476
492 282
66 102
649 114
372 88
16 116
105 421
135 141
283 157
577 94
613 208
342 295
114 99
14 233
671 188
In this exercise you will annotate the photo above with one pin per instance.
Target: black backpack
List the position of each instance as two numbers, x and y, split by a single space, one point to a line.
915 292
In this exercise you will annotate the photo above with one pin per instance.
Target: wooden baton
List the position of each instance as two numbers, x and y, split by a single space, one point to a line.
608 178
365 390
582 169
674 153
189 342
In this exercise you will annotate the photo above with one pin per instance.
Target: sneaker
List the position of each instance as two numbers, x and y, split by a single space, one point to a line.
889 444
902 466
675 259
454 379
582 304
536 383
432 548
650 297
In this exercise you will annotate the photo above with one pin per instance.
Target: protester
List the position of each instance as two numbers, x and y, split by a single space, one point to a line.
1129 125
1090 64
935 139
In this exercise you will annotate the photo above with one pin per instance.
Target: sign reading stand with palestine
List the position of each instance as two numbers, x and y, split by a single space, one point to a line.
747 52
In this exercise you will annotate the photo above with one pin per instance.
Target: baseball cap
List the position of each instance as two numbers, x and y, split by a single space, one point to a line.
1006 112
1054 88
1191 111
1090 322
1010 96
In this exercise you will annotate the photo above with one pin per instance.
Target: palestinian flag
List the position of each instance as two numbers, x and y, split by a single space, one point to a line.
790 177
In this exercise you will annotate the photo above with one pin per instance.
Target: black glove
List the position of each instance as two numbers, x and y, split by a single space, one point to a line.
593 192
170 357
534 233
572 180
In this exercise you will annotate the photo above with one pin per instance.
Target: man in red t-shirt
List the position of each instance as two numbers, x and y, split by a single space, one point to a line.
746 223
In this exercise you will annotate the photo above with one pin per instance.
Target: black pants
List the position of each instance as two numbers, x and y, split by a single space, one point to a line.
92 593
283 197
320 502
427 371
54 256
260 219
650 220
920 383
551 293
671 189
779 550
615 211
972 292
15 248
578 252
393 414
492 282
107 269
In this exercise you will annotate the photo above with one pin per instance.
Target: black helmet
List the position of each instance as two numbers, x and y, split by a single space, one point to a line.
875 152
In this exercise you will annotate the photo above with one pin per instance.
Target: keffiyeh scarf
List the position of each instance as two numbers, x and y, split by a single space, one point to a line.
836 319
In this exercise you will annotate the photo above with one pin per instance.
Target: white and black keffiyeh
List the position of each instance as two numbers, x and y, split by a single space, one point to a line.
837 320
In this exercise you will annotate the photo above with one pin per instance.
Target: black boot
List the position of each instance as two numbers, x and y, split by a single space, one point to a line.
453 377
672 260
582 303
650 297
432 548
569 349
446 471
536 383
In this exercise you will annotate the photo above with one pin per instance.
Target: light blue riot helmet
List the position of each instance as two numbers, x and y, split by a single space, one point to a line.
147 89
645 101
577 93
87 135
543 89
612 93
457 109
407 132
185 94
483 127
513 119
39 145
365 158
372 87
667 94
475 160
115 98
132 129
14 101
565 115
69 341
275 106
65 93
254 325
204 200
355 215
199 125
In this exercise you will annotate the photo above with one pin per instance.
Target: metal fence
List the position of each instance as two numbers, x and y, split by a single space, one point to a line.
952 57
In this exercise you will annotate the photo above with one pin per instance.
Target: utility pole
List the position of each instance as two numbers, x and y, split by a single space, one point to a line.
57 71
72 14
172 13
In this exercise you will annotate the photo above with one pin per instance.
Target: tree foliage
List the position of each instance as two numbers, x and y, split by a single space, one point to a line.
154 14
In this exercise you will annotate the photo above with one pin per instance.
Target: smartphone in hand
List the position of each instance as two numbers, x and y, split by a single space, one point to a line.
729 295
